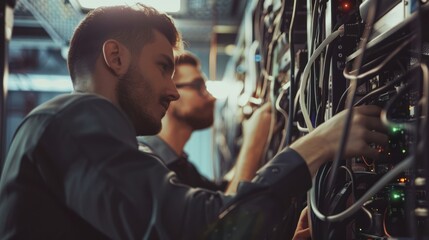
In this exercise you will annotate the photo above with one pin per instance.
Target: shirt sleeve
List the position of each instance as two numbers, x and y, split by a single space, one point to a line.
188 174
260 206
92 163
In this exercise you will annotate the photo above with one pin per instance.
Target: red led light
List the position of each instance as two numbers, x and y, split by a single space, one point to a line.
402 180
346 6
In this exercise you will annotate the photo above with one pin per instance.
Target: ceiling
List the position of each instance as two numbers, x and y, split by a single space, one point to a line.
42 29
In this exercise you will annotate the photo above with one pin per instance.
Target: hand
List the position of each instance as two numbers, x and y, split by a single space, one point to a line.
322 144
366 128
302 230
257 127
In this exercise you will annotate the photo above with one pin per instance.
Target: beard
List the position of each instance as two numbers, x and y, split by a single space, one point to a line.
199 119
134 106
198 124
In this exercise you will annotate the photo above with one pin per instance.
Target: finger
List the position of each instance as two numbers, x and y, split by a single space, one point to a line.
371 123
370 152
303 224
302 234
303 219
377 138
368 110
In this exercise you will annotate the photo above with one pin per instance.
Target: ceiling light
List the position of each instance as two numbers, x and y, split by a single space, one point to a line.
161 5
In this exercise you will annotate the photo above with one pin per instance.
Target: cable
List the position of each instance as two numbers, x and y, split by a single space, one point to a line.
384 113
352 178
386 86
285 115
384 224
325 81
374 70
323 171
317 69
342 98
321 174
368 213
313 25
311 96
301 128
389 176
306 73
313 32
351 93
420 149
424 129
267 69
292 77
366 163
251 80
250 46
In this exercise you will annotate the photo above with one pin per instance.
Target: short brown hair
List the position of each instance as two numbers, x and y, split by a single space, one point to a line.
133 26
186 57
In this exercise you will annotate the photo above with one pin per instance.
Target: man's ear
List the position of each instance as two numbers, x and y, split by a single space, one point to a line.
116 56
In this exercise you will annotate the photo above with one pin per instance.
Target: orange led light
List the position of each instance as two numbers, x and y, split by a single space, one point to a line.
346 6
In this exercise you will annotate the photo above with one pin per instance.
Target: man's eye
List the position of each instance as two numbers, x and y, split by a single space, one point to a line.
201 85
164 66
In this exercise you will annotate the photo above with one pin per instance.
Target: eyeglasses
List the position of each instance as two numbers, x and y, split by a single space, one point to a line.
199 86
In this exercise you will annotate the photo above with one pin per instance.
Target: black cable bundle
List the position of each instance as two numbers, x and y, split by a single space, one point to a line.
337 191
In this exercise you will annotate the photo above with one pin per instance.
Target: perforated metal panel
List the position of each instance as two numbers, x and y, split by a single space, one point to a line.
207 9
58 17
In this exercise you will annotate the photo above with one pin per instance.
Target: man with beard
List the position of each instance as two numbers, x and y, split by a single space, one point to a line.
194 111
74 171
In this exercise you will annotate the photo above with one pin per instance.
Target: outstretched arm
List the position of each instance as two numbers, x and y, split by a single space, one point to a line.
317 147
255 135
284 177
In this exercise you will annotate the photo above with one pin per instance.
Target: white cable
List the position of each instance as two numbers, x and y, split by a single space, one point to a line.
383 115
376 69
301 128
402 166
306 73
245 38
252 76
285 115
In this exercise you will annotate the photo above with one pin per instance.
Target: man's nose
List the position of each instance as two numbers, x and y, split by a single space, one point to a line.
210 97
172 92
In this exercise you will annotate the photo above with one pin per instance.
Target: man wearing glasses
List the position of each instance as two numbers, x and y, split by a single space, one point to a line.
194 111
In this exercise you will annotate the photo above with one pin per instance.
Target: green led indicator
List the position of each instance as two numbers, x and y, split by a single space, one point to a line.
396 195
395 129
404 151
